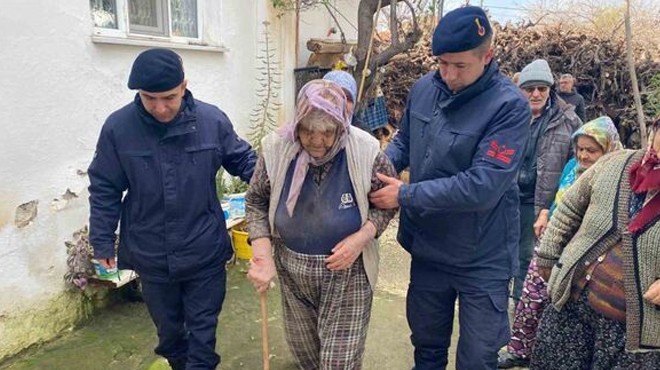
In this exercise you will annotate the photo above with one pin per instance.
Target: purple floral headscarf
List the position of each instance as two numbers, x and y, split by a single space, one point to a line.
329 98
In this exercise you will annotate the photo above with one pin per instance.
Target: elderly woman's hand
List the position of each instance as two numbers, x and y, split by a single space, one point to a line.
653 293
348 250
544 272
541 223
262 266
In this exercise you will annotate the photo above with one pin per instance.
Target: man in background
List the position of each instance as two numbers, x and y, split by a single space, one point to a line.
571 96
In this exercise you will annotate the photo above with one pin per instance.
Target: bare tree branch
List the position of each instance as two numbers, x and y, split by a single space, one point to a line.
341 31
394 28
366 11
348 21
397 47
633 77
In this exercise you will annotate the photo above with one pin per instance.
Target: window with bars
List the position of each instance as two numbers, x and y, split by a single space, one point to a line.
160 18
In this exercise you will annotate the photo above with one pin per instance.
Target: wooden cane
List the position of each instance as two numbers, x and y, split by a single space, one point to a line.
264 329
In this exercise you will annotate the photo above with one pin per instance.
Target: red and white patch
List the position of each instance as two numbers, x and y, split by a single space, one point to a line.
500 152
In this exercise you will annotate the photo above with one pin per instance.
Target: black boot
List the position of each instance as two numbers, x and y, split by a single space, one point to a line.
507 360
178 363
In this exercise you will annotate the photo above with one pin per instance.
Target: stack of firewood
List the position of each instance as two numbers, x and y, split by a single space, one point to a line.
598 62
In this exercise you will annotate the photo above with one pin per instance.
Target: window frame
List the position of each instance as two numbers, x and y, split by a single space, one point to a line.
122 34
161 29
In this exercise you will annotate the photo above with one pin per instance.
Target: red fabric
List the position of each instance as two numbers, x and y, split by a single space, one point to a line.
645 176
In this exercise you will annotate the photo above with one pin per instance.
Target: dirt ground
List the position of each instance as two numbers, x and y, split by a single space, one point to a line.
122 336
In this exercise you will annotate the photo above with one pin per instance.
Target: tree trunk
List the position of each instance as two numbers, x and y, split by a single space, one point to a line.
366 11
641 121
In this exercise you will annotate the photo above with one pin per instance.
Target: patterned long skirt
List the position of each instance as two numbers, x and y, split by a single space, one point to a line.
326 313
533 300
578 337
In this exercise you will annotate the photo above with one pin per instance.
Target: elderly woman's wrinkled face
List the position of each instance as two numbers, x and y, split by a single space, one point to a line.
587 151
349 101
317 133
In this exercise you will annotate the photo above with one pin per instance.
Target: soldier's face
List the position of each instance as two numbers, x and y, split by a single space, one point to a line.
163 106
460 70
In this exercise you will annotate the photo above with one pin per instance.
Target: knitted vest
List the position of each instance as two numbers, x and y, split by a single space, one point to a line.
328 208
361 152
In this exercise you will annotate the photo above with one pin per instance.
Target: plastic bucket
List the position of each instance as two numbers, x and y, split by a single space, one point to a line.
242 249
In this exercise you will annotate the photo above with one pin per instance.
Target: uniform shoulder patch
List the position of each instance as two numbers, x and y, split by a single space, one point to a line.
500 152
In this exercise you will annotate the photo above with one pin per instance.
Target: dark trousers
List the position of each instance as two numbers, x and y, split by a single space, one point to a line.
482 314
186 317
526 247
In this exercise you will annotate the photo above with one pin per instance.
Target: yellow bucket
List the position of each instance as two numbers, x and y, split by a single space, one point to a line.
242 249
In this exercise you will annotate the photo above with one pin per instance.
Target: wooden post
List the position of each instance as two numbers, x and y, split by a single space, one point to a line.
441 9
264 330
297 30
641 121
366 62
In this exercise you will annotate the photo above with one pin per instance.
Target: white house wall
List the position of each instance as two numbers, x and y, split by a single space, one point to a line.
58 87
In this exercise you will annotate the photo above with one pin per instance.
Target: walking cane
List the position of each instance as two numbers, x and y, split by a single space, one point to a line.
264 329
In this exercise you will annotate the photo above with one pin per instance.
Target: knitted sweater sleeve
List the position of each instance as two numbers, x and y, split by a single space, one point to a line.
567 217
381 217
257 200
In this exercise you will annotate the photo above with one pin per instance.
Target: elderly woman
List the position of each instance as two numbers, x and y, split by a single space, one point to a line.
590 142
603 245
310 221
347 82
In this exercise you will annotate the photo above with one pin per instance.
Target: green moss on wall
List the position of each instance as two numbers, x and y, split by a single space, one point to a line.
45 322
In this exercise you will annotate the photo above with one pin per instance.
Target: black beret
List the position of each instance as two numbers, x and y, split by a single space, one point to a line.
156 70
460 30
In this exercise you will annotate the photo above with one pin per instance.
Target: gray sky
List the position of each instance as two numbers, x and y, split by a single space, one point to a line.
500 10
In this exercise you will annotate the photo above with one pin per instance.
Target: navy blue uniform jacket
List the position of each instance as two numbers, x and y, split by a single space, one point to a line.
460 210
172 226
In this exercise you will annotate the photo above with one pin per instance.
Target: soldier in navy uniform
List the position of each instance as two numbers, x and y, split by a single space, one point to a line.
164 149
462 135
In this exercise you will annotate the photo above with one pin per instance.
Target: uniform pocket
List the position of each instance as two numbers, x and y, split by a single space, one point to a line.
136 163
139 158
419 122
500 302
202 153
201 162
462 144
139 166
